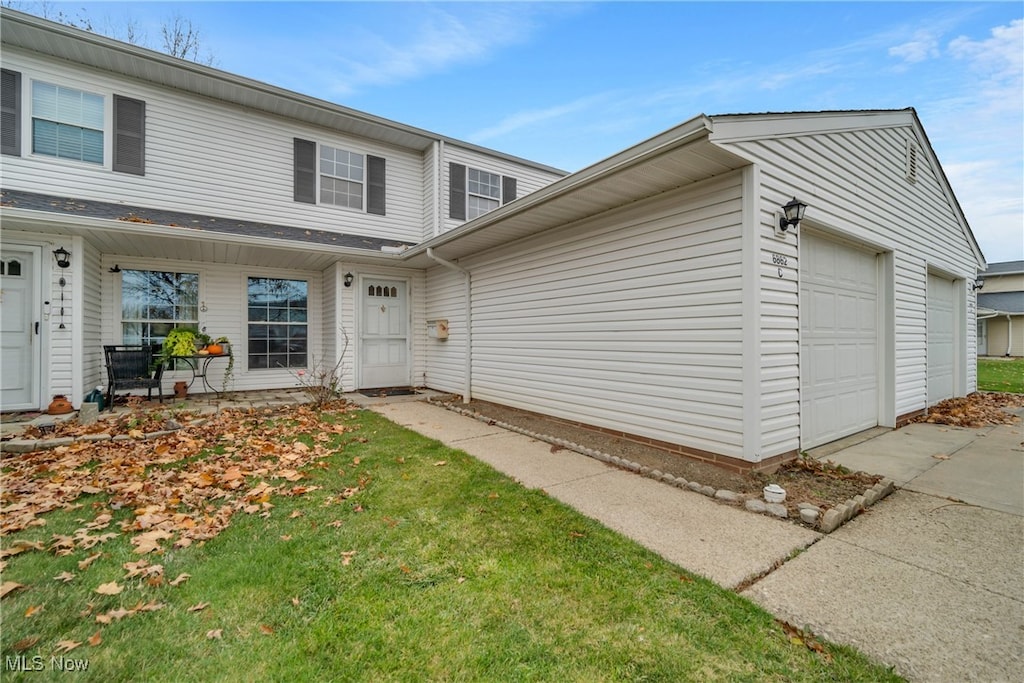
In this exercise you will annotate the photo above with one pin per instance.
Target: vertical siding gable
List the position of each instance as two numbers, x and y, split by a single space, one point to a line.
129 136
305 171
10 112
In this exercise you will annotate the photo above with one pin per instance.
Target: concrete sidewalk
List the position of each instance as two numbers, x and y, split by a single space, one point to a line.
931 586
725 544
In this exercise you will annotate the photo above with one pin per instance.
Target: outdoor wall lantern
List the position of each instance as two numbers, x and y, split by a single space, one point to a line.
792 214
978 284
63 257
349 277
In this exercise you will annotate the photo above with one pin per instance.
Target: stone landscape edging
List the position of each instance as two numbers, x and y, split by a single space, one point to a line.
825 521
30 445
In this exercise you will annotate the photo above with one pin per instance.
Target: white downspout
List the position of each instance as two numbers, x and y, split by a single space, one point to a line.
467 372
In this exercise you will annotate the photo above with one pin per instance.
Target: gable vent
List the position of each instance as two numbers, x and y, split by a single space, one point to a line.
911 167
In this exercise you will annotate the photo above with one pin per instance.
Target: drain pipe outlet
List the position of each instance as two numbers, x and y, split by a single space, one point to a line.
468 370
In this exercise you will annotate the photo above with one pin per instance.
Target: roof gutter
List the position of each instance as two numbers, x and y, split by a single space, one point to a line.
468 352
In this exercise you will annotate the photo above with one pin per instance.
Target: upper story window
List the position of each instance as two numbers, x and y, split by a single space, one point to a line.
339 177
473 192
67 123
483 190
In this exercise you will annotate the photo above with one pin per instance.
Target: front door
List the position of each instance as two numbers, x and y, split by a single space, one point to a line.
384 334
19 332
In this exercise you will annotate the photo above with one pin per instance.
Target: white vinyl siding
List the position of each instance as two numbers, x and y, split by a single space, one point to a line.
445 359
630 321
223 292
528 179
855 184
215 159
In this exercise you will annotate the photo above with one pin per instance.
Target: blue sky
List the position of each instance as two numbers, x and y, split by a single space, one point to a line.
568 84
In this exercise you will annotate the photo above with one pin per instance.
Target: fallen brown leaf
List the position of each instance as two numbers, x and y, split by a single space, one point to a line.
198 607
95 639
66 645
8 587
182 578
33 610
25 643
266 630
110 588
215 634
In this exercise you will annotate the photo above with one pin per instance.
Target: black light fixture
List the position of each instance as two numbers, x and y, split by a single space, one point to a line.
793 213
978 283
115 269
63 257
349 277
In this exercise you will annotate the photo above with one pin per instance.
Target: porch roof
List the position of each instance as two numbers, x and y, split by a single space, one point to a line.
143 231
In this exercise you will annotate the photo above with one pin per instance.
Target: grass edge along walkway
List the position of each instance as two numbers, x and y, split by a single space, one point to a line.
413 561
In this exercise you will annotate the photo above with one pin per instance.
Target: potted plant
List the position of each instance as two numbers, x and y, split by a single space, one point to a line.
181 341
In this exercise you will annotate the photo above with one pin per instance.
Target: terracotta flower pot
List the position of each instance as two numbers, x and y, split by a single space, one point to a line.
59 405
180 389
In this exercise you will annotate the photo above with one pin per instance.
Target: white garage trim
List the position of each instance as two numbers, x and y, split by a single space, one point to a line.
840 339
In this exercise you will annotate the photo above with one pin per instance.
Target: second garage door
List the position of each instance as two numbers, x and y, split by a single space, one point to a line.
941 338
838 340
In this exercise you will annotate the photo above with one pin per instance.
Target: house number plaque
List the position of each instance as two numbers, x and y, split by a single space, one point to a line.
779 260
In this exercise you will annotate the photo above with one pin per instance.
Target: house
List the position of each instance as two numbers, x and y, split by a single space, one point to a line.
657 294
1001 310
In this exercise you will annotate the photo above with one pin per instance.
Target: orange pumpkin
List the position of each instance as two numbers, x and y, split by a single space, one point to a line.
215 349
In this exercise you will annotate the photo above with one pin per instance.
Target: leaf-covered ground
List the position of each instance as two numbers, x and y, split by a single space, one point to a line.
339 546
980 409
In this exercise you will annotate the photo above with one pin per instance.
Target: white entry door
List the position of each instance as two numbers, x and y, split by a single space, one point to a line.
941 338
19 335
384 334
838 340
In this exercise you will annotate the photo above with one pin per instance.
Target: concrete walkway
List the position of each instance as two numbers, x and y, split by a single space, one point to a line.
921 582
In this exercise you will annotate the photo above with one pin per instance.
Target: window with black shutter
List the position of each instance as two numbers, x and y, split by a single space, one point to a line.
129 135
10 112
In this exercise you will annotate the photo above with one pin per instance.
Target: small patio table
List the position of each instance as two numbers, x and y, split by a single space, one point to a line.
199 364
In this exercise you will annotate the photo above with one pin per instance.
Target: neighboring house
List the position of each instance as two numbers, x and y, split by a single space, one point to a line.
1001 310
652 294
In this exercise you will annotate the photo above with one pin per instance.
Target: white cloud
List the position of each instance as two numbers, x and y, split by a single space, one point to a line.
437 42
533 118
921 47
999 57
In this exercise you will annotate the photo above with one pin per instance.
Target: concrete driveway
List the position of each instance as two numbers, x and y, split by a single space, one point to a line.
931 580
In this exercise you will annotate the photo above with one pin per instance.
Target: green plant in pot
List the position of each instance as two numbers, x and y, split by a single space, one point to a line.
181 341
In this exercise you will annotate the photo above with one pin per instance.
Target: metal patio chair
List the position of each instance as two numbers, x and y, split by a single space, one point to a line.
133 367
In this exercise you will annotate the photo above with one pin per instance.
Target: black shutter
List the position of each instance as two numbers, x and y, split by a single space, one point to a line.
457 191
129 135
305 171
508 189
375 185
10 112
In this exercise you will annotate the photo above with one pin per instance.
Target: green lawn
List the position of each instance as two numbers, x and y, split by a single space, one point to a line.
412 561
1001 374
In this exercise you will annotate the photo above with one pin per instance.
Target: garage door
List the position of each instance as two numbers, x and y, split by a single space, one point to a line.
838 340
941 340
